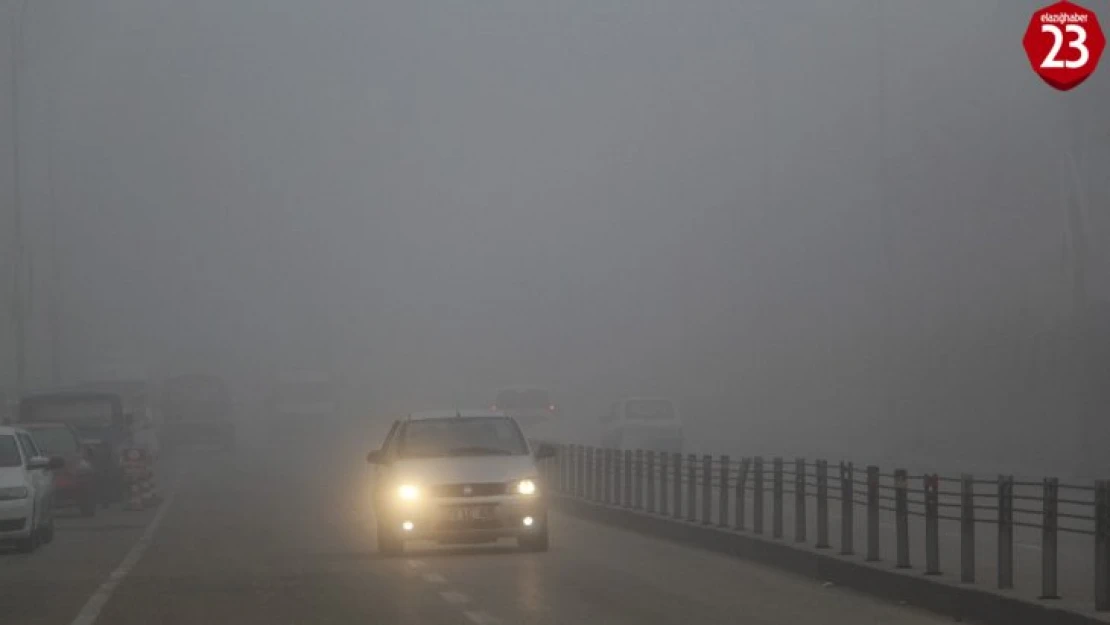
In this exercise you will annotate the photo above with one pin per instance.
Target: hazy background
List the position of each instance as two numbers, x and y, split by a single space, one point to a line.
837 228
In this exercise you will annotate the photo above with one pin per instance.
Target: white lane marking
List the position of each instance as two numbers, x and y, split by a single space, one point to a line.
434 578
416 564
92 607
454 597
480 618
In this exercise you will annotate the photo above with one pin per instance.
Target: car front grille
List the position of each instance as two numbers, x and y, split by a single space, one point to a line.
487 489
12 525
476 524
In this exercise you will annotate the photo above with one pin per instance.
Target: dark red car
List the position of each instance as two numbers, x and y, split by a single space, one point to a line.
74 483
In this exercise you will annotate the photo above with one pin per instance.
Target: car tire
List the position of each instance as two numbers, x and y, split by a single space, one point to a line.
86 503
535 543
48 532
29 544
389 544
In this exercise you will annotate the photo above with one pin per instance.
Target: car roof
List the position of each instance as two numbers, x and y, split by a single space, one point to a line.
70 394
464 414
9 430
43 425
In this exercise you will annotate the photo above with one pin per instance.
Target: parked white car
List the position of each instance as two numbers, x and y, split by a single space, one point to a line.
26 491
649 423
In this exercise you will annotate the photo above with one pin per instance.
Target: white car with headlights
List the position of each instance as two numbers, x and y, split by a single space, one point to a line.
459 477
26 491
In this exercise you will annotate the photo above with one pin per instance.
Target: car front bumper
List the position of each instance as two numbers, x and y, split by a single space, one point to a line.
15 519
438 519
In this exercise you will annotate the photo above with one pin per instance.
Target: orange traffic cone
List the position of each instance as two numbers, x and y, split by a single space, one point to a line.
135 502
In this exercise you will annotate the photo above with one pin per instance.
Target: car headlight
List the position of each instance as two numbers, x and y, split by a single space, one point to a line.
408 492
14 492
526 487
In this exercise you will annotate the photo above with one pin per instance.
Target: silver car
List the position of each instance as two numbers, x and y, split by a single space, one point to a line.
459 477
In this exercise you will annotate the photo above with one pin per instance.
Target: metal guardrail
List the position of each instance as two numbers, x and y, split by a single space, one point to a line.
671 485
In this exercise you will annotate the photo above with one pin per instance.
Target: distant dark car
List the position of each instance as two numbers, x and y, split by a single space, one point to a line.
102 427
75 483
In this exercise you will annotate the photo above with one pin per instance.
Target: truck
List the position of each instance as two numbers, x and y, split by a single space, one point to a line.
643 423
197 409
300 400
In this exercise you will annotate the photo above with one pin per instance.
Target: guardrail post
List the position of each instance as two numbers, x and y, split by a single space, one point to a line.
741 493
606 469
847 508
572 470
725 486
1005 531
650 486
901 517
560 465
677 457
691 487
599 467
967 529
932 525
799 500
663 490
872 513
822 504
777 491
1102 545
618 478
1048 538
638 481
706 489
628 478
757 501
583 472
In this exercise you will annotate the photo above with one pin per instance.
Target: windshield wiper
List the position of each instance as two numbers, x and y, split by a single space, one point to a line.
478 451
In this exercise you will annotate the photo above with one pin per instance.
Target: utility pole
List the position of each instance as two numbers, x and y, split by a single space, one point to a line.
20 305
889 391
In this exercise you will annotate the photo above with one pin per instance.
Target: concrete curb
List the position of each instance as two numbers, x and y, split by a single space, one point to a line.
936 595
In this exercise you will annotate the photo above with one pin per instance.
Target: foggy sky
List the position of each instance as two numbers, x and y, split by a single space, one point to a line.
439 198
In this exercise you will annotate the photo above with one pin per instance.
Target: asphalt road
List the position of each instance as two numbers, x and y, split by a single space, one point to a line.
284 537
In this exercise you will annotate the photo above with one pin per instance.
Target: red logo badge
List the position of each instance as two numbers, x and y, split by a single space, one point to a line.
1064 43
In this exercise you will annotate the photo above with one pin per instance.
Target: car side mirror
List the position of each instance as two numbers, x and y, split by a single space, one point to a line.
545 450
38 463
375 457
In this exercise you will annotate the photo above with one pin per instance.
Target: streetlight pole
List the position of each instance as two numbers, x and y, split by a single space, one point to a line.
20 306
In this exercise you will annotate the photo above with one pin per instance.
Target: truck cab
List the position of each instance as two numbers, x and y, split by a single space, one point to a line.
649 423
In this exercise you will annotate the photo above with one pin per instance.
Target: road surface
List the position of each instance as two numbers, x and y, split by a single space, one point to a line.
284 537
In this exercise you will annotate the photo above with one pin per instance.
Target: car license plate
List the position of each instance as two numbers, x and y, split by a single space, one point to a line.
469 513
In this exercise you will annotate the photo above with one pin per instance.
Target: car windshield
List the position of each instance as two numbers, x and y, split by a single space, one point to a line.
532 399
494 436
650 410
55 441
9 452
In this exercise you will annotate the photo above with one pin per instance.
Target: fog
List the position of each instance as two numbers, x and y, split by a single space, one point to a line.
840 228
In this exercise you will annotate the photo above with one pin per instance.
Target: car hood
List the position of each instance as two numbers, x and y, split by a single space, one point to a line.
467 469
12 476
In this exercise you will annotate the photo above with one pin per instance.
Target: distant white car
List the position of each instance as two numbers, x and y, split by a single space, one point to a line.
458 477
649 423
26 491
